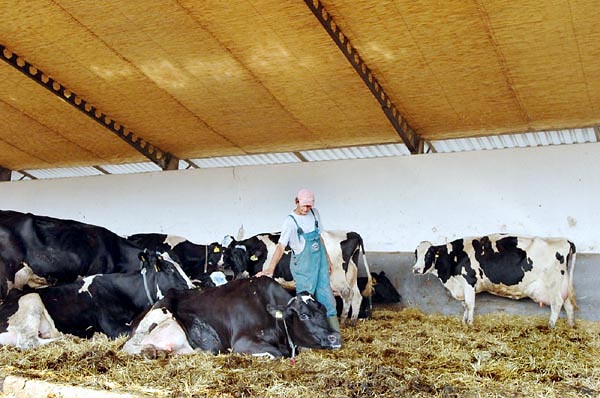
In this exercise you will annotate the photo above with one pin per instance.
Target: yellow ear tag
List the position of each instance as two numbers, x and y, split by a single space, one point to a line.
278 314
254 258
216 250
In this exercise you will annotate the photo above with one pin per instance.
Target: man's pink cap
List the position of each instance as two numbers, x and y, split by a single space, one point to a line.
306 197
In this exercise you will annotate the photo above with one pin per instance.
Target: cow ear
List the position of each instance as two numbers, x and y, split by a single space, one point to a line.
276 311
143 256
255 255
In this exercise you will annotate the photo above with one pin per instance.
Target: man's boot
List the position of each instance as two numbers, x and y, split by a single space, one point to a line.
334 323
337 336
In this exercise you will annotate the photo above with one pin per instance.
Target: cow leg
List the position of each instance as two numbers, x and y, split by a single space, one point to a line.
355 296
26 276
256 347
555 307
355 304
570 310
346 300
31 325
469 305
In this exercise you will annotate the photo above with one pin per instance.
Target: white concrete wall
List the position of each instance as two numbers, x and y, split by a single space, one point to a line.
393 202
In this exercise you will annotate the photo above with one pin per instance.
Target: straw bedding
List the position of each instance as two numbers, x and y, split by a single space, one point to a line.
397 353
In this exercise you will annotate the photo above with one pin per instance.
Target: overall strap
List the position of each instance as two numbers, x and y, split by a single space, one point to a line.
315 217
299 230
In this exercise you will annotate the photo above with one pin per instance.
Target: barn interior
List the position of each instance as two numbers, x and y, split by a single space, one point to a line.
203 118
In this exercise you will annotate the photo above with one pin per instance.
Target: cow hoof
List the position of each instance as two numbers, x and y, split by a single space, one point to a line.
151 352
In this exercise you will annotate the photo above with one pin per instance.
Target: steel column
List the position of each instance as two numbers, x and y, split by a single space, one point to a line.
5 174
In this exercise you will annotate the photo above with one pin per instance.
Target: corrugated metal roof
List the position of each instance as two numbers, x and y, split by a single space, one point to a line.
519 140
130 168
246 160
63 172
358 152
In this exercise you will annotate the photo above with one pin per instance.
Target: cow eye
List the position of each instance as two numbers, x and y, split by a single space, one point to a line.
304 317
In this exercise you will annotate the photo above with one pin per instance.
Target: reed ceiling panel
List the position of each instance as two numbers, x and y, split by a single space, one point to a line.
204 79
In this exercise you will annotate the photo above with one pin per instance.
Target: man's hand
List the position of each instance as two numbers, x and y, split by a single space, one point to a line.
274 260
266 272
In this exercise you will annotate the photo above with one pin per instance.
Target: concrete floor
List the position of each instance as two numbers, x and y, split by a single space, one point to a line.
427 293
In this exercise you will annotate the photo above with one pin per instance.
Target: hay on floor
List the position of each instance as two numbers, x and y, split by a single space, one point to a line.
398 353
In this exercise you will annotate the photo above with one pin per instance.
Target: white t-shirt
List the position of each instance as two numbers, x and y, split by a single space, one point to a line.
289 230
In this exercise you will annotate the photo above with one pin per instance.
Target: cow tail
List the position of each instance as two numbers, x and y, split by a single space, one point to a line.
368 290
571 264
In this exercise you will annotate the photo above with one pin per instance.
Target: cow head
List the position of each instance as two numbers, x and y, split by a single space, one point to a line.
235 257
384 290
215 253
307 322
162 273
424 257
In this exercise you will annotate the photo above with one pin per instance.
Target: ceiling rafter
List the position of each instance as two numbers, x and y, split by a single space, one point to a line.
411 139
163 159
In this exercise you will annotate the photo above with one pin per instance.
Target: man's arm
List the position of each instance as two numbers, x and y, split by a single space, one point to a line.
279 250
326 254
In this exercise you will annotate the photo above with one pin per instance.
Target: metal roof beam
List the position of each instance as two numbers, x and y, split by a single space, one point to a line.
101 170
26 174
411 139
300 156
163 159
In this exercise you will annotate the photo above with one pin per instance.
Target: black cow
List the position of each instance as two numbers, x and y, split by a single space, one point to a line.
38 250
196 260
98 303
249 256
254 316
384 292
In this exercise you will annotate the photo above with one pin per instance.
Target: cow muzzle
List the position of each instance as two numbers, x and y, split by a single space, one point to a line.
242 275
332 341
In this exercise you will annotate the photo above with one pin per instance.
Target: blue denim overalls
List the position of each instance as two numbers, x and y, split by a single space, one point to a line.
311 270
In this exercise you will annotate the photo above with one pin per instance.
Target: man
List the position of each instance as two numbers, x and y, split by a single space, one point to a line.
310 264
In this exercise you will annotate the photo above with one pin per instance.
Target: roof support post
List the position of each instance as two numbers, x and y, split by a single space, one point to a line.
163 159
5 174
410 138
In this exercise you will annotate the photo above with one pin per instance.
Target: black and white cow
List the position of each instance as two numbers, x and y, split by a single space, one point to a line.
99 303
504 265
255 316
249 256
196 260
37 251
